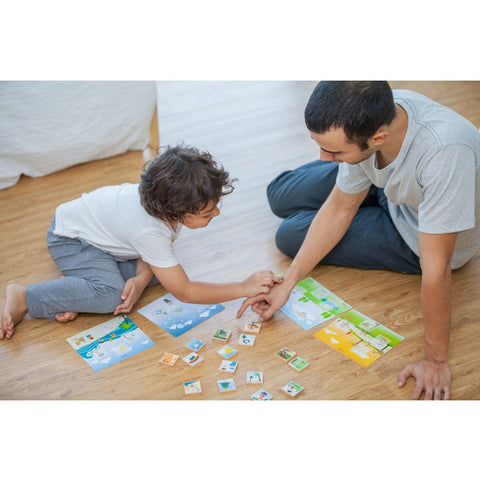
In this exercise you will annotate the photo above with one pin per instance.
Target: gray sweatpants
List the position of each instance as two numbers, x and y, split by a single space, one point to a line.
93 280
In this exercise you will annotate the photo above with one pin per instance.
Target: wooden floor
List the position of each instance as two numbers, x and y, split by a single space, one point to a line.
256 130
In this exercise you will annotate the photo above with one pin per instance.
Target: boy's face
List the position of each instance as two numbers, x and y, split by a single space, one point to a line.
202 218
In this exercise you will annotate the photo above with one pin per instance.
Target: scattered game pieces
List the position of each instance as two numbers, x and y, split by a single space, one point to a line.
177 317
226 385
298 364
254 377
261 395
227 352
311 304
192 387
285 354
222 335
228 366
251 326
292 389
195 344
110 342
169 359
359 337
192 359
246 339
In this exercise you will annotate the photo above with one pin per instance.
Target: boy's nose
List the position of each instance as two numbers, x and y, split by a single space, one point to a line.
327 157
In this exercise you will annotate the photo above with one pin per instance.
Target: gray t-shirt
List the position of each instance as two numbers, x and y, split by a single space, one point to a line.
433 185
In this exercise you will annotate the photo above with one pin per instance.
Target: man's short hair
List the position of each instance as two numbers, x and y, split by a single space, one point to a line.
359 108
182 180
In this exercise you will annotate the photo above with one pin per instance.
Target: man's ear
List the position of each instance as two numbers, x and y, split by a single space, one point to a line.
379 136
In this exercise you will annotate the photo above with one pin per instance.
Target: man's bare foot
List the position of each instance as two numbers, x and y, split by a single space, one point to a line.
66 317
14 311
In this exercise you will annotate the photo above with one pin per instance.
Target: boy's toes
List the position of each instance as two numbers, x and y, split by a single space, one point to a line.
66 317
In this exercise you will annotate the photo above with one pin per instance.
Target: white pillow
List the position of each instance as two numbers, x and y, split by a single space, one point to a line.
48 126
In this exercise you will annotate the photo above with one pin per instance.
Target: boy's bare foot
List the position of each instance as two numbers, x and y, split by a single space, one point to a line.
14 311
66 317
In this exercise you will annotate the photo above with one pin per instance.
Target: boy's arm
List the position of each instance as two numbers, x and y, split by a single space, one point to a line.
326 230
432 374
176 281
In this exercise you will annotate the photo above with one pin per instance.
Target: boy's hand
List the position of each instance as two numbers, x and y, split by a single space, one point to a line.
260 282
132 290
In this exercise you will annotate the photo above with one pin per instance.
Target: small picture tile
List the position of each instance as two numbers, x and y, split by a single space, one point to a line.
222 335
254 377
246 339
252 326
285 354
292 389
261 395
192 359
169 359
195 344
227 352
298 364
228 366
226 385
192 387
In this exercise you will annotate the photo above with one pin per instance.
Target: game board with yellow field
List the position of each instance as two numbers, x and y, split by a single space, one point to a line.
359 337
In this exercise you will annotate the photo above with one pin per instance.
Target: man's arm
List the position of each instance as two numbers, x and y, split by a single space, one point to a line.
326 230
432 374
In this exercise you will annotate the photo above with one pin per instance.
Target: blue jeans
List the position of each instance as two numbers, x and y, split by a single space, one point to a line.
93 280
371 241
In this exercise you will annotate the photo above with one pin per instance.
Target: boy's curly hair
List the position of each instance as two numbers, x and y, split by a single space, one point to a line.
182 180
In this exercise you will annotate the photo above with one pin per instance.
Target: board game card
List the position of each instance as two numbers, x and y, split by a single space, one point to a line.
177 317
298 364
192 359
254 377
227 352
226 385
195 344
228 366
261 395
110 342
310 304
285 354
192 387
292 389
169 359
222 335
246 339
251 326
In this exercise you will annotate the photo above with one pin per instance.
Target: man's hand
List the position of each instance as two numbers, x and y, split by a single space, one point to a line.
433 378
269 303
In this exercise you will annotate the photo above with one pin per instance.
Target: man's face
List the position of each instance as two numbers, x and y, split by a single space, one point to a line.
334 147
202 218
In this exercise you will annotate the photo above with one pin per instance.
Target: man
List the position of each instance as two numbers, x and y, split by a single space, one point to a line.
397 187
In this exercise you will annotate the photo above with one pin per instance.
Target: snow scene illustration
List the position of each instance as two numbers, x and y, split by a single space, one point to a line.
177 317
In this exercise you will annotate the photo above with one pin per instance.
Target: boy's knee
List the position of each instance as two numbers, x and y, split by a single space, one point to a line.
108 298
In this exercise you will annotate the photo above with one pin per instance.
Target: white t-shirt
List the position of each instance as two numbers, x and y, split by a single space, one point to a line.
433 185
113 220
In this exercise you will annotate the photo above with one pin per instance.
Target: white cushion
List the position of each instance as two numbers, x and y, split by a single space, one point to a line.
48 126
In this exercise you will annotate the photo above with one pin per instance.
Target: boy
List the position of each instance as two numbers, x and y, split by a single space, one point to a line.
115 241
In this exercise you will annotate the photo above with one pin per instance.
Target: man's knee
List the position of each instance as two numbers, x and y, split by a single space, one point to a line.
276 195
108 298
288 239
